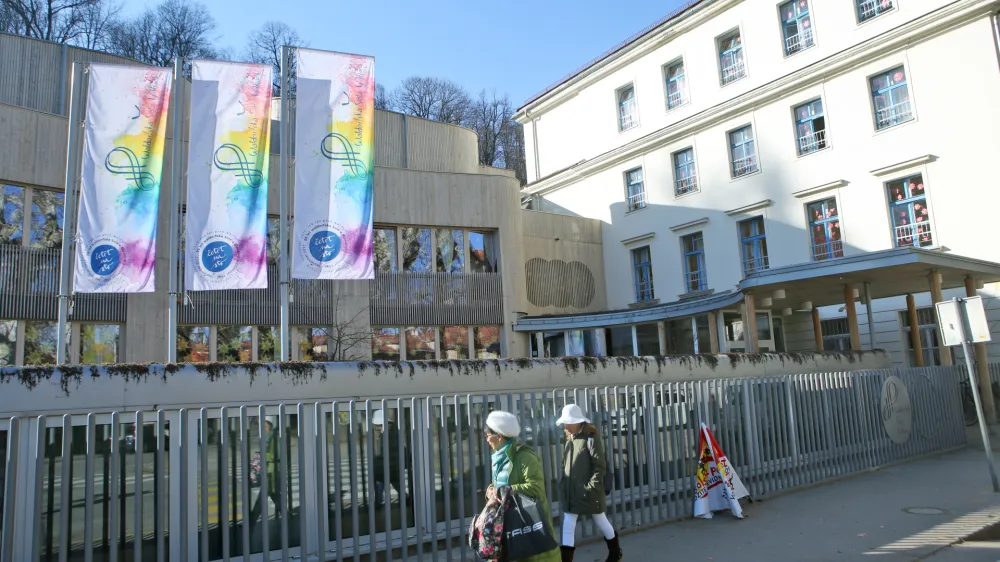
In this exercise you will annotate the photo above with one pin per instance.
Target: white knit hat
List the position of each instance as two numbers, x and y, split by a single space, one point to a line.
572 414
504 423
377 417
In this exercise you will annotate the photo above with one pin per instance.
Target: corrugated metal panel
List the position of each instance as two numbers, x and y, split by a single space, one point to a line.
434 147
390 145
29 289
436 299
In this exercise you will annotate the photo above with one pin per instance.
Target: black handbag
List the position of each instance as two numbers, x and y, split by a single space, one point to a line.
527 531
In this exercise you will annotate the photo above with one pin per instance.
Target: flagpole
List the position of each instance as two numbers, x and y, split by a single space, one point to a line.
283 262
175 173
69 206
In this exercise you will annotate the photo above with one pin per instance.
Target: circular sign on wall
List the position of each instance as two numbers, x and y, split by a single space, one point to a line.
897 416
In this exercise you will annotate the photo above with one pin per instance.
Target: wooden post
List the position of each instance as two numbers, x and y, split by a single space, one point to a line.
982 367
713 331
750 323
911 313
852 316
817 329
936 297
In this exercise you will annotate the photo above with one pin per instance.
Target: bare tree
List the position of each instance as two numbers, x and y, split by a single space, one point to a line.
432 98
60 21
512 143
175 28
264 47
349 338
95 25
382 98
489 117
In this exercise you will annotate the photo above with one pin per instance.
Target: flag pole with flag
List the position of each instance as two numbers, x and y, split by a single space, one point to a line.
718 486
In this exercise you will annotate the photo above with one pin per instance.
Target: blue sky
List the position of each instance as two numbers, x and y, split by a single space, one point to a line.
517 46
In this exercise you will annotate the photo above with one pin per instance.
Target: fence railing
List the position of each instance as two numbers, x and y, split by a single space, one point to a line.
333 485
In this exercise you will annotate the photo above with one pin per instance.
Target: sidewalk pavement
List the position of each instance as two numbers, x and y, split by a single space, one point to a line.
862 517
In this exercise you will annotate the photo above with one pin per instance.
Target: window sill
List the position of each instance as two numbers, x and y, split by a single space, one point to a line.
694 191
644 304
730 83
623 131
800 51
894 127
893 11
744 176
683 104
637 210
817 151
695 294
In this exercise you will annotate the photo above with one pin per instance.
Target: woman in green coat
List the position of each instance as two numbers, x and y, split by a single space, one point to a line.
581 490
518 466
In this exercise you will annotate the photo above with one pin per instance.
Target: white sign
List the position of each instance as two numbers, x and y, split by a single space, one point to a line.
956 331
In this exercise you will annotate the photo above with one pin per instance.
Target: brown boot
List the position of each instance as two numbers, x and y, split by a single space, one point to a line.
567 553
614 551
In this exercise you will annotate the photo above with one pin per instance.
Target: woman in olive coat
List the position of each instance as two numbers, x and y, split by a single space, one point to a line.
582 487
518 466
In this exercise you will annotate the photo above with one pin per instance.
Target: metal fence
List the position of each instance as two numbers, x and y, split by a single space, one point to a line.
89 486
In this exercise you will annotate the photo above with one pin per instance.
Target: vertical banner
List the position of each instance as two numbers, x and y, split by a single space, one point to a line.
126 125
334 166
229 150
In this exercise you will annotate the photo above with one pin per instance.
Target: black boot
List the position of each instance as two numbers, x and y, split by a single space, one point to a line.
614 551
567 553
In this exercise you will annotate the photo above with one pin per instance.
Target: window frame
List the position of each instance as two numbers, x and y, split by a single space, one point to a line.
693 178
822 141
797 19
825 223
908 203
872 94
641 195
879 12
721 53
754 160
642 272
634 115
700 275
682 90
757 242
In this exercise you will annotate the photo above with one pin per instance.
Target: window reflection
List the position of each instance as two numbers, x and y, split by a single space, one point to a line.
273 240
420 344
8 342
482 252
192 344
416 249
234 344
314 344
385 344
99 343
450 251
11 214
385 250
268 342
40 343
487 339
455 342
46 219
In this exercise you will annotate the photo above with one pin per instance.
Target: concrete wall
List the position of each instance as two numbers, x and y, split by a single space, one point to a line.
130 388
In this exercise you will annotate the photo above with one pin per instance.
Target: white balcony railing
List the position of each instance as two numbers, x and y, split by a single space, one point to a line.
894 114
828 250
644 291
799 42
733 72
755 264
919 235
629 116
675 99
637 201
744 166
869 9
686 184
812 142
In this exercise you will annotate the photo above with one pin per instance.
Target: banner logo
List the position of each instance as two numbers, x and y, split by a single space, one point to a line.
216 256
104 260
238 163
336 148
126 163
324 246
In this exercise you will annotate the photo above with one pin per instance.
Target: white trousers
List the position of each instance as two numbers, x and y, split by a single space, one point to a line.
569 527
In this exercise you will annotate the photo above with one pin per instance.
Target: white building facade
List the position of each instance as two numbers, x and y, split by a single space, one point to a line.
755 162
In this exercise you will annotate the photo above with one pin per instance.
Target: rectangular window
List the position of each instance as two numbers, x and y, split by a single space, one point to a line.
193 344
385 250
824 227
891 98
417 250
753 243
8 342
420 344
40 343
483 252
99 343
315 344
634 191
385 344
676 84
643 271
273 240
810 127
619 341
46 219
694 263
268 342
796 25
743 151
731 58
234 344
836 334
450 254
574 344
911 219
870 9
685 174
647 336
487 341
454 342
929 343
628 111
11 214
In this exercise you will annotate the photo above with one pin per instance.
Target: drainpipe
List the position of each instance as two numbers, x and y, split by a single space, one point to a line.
534 143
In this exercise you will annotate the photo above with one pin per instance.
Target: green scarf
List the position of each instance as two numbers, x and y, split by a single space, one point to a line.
502 466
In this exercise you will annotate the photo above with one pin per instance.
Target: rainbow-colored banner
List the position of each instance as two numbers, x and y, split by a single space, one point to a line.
334 166
229 153
120 184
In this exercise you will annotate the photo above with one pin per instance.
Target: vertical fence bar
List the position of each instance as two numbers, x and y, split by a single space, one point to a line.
114 517
263 437
784 427
406 493
137 511
203 484
419 444
338 482
372 472
245 481
160 486
300 418
10 489
66 485
352 452
88 490
460 469
322 481
283 472
223 472
36 512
